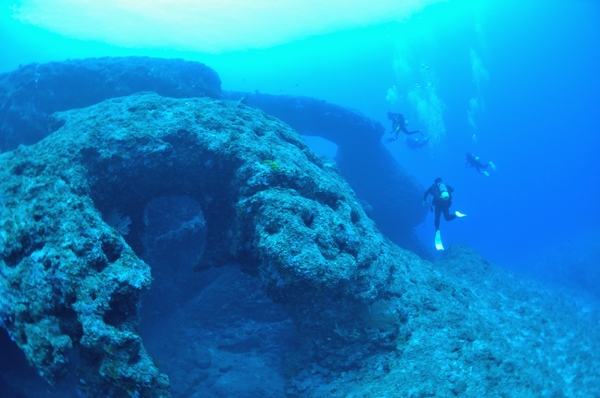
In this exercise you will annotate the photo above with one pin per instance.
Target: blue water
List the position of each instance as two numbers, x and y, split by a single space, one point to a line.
539 96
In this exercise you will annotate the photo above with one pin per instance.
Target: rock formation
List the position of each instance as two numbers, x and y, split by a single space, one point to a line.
69 279
393 195
32 93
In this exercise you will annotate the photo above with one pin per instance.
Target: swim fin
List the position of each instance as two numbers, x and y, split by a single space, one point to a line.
485 173
438 241
459 214
492 165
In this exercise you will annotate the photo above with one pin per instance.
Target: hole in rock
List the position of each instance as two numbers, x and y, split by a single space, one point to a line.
213 332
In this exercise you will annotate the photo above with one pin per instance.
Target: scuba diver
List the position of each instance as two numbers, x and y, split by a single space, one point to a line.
398 125
442 200
415 142
474 161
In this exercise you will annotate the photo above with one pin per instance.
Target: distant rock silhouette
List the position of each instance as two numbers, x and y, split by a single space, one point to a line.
33 92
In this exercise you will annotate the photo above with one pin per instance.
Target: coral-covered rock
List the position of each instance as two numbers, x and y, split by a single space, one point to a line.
33 92
70 278
394 196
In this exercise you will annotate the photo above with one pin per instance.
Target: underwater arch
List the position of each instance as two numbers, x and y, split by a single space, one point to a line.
268 201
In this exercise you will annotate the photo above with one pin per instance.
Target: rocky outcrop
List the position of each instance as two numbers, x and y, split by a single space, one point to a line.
33 92
70 279
491 334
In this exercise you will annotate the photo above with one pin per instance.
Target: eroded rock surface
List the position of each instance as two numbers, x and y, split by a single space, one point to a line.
393 195
69 279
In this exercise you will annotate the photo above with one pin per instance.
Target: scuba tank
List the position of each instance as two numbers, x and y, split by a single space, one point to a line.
444 194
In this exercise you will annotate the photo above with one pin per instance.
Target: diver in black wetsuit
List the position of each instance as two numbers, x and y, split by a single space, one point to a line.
442 200
474 161
398 125
415 142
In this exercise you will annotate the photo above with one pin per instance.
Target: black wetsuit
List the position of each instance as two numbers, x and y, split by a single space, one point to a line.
473 161
415 143
440 205
399 124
